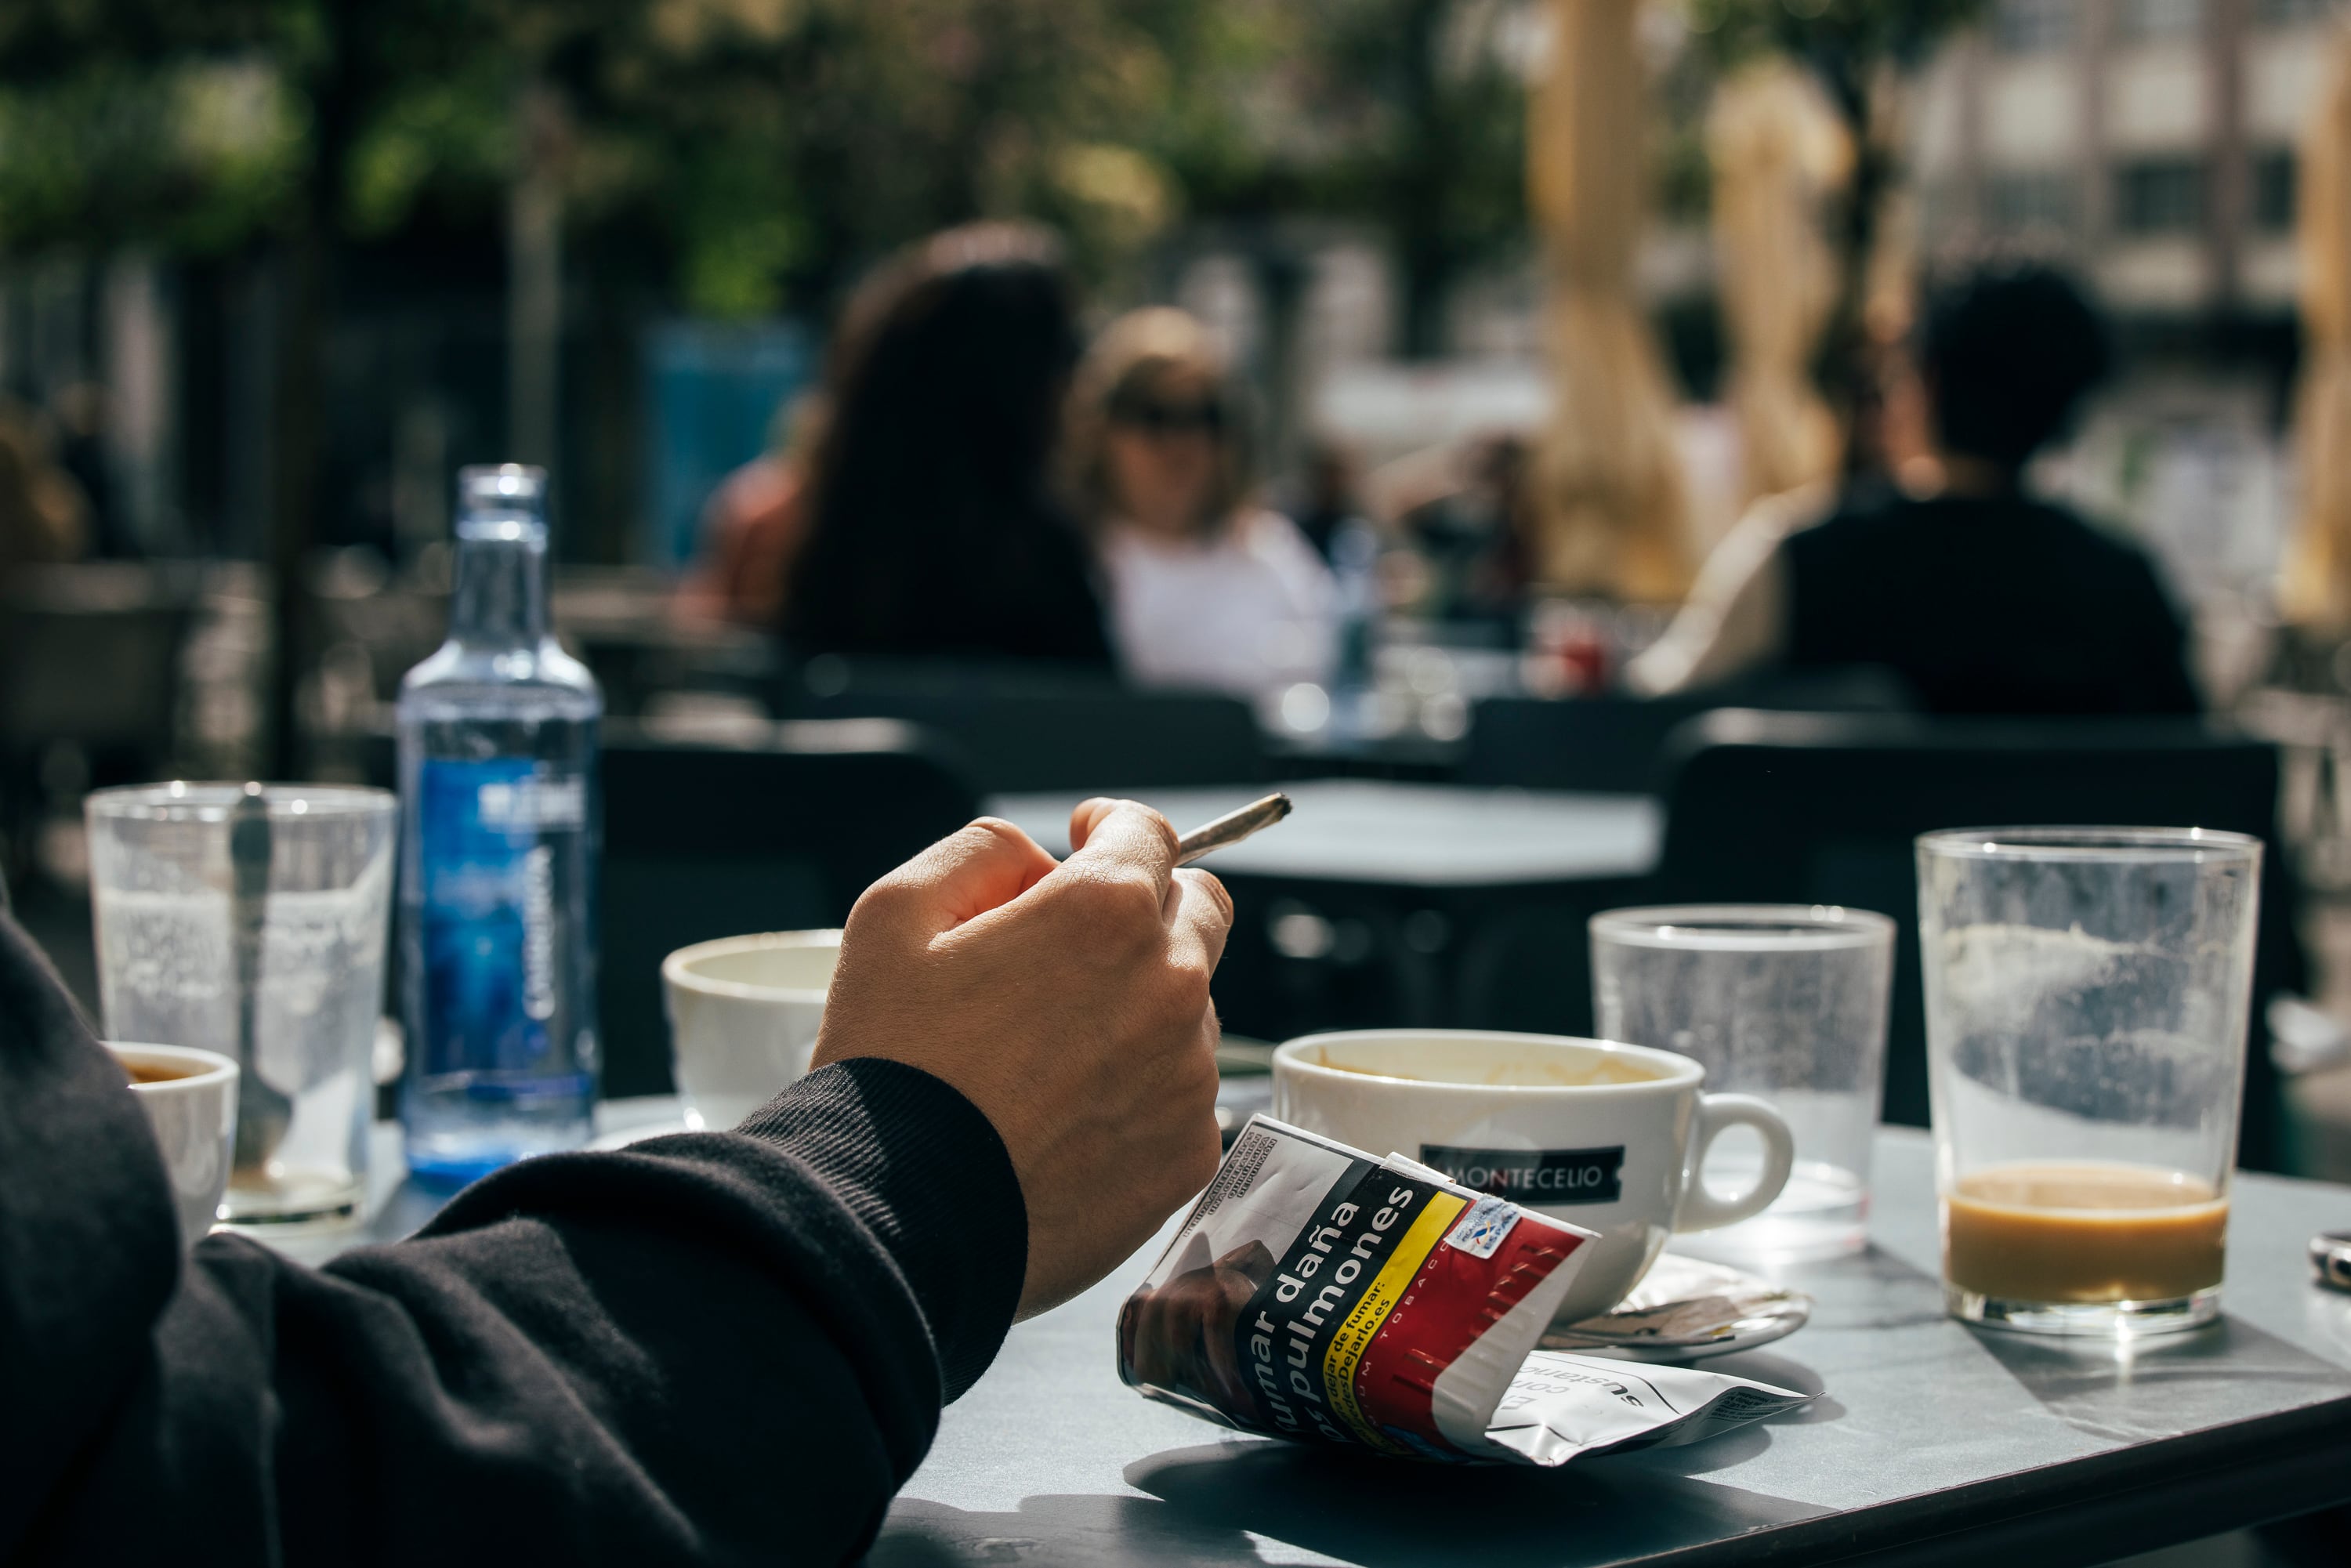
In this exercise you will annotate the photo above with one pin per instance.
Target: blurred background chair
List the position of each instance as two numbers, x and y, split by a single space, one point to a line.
1016 728
91 684
1617 744
706 840
1823 809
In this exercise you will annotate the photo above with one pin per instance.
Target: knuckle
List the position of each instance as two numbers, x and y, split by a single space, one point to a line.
1161 829
884 900
1207 882
1186 989
1117 900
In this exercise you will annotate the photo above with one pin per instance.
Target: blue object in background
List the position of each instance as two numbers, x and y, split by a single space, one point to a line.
499 849
713 389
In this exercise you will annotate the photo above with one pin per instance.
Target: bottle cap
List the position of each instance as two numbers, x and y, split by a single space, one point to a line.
502 487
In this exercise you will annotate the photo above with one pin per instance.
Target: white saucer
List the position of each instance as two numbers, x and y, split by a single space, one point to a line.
1683 1308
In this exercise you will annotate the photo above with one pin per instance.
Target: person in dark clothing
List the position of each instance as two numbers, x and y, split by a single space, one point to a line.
932 528
1983 599
719 1347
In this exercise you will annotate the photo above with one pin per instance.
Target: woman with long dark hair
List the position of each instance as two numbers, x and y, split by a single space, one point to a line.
933 529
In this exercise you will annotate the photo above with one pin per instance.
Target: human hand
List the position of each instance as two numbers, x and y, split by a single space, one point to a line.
1069 1001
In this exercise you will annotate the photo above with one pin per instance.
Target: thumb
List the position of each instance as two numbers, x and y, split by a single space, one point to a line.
979 867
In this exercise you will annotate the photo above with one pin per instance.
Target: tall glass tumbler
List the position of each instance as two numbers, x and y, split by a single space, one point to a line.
2088 991
1786 1001
252 921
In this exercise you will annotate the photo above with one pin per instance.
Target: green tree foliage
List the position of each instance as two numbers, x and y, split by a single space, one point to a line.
763 147
1407 115
1846 37
761 142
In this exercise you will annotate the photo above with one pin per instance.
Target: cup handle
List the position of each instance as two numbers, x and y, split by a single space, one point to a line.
1700 1209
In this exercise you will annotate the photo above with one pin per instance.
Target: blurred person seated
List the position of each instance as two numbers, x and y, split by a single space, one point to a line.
44 514
82 448
717 1347
1981 597
754 526
932 527
1207 589
1466 516
1325 507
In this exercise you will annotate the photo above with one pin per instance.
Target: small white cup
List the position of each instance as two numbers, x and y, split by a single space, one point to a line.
193 1112
1514 1114
743 1017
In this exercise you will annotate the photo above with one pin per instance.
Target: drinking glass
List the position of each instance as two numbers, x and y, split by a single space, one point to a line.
253 923
2088 991
1786 1001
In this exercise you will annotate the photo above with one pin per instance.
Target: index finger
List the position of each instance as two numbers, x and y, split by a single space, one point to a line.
1126 836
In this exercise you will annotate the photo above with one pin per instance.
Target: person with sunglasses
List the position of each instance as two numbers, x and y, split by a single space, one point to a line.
1206 587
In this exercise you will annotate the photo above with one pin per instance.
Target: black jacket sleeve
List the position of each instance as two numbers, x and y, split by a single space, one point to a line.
713 1348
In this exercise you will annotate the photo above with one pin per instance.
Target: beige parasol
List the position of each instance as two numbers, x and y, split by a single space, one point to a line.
1609 492
2316 589
1777 150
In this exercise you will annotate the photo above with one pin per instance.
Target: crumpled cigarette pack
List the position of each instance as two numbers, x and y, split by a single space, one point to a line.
1318 1294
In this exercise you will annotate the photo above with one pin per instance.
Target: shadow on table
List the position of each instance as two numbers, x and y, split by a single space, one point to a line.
2155 1387
1055 1531
1764 1366
1377 1513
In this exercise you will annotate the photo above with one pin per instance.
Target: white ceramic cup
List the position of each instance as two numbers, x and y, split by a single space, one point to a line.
1518 1114
743 1017
193 1112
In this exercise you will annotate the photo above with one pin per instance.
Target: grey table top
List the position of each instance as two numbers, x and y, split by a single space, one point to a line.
1419 835
1932 1443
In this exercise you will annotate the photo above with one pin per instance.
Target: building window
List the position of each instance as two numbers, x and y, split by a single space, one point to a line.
2160 196
2041 202
2146 21
2274 177
2027 26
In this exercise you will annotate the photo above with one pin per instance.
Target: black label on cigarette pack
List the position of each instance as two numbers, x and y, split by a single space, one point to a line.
1537 1177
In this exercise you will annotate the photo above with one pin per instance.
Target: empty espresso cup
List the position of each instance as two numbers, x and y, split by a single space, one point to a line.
189 1097
743 1017
1609 1137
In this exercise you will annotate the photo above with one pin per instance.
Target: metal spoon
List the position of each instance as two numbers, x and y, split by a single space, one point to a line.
262 1112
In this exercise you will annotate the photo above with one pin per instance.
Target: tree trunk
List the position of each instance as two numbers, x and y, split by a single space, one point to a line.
296 393
304 314
1851 375
1416 193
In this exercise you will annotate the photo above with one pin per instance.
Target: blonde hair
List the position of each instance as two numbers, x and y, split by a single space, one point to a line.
1139 352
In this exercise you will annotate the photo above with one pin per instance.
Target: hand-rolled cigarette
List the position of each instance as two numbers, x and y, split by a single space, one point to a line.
1231 828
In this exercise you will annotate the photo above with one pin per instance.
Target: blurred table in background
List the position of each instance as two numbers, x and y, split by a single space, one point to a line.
1381 902
623 623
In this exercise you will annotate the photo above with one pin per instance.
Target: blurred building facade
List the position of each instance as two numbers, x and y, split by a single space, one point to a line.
2150 142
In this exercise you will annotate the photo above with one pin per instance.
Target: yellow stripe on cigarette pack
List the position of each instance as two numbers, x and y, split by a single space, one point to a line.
1354 1335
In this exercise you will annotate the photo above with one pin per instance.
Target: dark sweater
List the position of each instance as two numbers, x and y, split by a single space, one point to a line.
1988 606
716 1348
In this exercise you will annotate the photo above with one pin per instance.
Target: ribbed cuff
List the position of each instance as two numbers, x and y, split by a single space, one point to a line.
923 1170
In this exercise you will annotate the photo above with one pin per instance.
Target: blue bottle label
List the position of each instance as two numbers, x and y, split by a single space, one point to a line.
489 837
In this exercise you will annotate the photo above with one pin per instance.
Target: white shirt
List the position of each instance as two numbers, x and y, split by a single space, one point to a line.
1250 611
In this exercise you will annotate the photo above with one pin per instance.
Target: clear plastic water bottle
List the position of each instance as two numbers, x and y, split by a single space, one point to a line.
499 849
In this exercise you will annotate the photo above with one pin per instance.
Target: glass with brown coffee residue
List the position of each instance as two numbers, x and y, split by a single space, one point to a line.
2088 994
